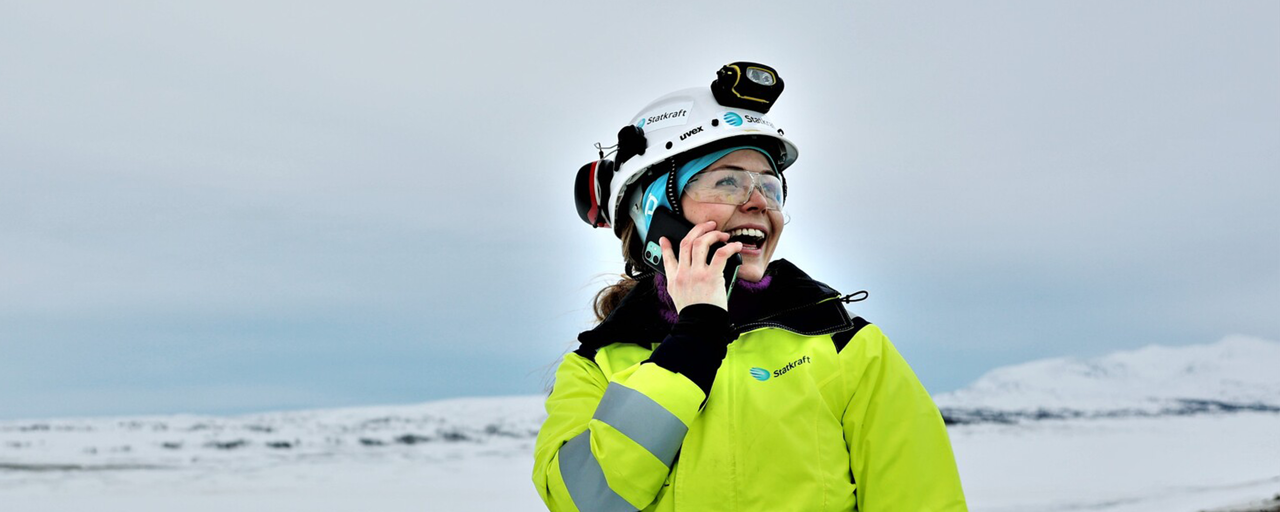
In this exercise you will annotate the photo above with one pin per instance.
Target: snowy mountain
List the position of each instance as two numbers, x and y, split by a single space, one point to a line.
1238 373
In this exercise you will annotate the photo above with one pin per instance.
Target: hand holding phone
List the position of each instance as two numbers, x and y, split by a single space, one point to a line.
688 271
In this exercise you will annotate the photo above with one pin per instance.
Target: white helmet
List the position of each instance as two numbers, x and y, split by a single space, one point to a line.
679 126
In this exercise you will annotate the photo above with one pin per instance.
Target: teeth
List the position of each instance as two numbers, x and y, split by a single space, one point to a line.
747 232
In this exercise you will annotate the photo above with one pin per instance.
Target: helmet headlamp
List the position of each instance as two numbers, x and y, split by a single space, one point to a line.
747 85
760 76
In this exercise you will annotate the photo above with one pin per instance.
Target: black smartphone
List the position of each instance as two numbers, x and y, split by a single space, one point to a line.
674 227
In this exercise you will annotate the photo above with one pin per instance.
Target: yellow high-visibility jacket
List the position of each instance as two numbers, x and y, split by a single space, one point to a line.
799 407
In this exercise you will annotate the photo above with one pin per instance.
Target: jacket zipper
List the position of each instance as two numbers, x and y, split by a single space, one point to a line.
739 329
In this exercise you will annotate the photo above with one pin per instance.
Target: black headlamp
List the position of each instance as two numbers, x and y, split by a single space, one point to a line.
747 85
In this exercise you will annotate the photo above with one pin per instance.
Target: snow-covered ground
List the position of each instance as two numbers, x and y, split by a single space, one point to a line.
463 454
1077 446
1120 465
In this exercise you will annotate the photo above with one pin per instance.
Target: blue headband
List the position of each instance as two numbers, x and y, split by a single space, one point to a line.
656 196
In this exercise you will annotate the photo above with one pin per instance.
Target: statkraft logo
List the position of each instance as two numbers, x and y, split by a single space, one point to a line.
667 118
759 120
667 115
733 119
762 374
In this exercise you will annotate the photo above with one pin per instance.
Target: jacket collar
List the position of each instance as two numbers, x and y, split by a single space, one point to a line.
793 301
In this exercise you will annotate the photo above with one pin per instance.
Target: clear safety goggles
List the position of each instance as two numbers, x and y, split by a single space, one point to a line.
734 186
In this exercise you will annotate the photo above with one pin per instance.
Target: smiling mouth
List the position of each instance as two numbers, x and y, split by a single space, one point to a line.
751 238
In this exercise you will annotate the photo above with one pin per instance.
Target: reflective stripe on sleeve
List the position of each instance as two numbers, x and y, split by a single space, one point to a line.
642 420
585 480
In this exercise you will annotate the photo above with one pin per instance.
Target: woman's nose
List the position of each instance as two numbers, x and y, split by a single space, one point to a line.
755 201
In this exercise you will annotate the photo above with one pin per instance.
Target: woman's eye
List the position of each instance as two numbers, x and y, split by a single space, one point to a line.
727 182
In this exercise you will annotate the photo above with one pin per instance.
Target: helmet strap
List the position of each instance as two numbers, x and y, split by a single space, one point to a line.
673 197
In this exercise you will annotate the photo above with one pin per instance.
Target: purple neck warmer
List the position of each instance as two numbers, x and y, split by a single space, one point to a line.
743 292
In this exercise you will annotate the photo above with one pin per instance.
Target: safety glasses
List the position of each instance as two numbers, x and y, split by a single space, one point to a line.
734 186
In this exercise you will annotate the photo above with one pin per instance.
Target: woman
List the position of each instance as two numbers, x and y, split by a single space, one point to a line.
688 397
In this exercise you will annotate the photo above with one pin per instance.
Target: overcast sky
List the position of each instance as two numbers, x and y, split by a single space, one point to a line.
222 207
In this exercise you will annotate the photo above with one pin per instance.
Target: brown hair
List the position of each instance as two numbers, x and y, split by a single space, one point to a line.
608 298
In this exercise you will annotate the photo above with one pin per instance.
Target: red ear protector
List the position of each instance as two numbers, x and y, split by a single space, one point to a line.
591 192
591 187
